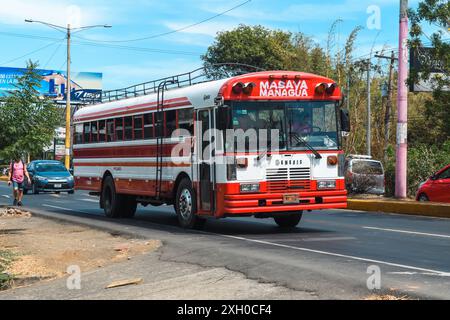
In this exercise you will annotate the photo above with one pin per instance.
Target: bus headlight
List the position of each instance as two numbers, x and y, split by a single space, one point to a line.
249 187
326 184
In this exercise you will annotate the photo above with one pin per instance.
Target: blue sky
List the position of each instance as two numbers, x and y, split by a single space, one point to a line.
177 52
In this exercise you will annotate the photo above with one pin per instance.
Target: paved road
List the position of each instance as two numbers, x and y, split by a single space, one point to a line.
329 255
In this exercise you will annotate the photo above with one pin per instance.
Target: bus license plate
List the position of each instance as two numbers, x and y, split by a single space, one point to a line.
58 185
291 198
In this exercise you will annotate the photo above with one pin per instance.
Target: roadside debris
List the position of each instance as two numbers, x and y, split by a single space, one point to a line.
14 213
386 297
121 283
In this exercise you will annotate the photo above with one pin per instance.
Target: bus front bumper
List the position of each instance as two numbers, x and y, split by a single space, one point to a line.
254 203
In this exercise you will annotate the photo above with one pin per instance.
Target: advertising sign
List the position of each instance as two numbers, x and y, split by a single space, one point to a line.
419 58
84 85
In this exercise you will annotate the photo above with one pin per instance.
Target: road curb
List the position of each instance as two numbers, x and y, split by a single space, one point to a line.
429 209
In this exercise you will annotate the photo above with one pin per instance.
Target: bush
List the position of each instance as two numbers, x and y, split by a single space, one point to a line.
423 161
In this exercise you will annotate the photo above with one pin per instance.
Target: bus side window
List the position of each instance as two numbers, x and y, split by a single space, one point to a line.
94 131
128 128
78 134
110 130
137 127
186 120
171 122
102 131
148 126
119 129
87 132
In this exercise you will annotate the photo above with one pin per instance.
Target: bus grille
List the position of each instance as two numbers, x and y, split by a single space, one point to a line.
279 179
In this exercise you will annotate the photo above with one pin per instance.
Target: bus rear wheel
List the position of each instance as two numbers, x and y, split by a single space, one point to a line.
186 206
290 220
116 205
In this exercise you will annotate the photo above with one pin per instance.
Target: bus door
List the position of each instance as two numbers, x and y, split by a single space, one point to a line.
206 169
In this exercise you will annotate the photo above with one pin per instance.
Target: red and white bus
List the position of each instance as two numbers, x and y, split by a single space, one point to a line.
131 150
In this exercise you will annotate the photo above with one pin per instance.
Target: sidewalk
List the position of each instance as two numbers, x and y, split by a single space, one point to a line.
409 207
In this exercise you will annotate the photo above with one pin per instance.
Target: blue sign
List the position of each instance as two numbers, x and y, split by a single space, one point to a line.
84 85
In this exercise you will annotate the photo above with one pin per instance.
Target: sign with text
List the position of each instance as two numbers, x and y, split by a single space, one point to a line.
84 85
423 58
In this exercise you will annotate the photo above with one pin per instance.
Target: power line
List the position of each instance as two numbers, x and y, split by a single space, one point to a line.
140 49
111 46
51 57
30 53
169 32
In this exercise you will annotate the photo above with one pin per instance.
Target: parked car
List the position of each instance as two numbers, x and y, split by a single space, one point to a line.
364 175
49 176
436 188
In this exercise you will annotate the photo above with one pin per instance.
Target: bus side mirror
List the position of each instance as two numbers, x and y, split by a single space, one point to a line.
345 120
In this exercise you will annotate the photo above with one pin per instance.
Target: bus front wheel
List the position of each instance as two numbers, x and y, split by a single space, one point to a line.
186 206
288 220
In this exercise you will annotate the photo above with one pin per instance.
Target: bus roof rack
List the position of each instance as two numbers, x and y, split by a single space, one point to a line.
203 74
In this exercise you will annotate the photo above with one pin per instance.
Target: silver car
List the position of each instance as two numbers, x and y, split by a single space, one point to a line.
364 175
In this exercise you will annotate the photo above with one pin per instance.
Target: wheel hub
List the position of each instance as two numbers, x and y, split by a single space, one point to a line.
185 204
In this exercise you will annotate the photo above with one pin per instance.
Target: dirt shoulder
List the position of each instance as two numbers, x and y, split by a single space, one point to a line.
35 249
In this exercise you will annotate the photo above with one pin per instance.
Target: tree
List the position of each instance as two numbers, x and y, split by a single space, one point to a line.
27 120
250 45
437 13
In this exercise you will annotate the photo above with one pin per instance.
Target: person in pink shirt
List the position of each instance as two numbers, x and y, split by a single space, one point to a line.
16 177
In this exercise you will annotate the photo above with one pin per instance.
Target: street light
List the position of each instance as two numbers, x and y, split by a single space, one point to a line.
68 30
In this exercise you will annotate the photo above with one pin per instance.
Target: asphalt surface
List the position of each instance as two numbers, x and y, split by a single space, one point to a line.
333 254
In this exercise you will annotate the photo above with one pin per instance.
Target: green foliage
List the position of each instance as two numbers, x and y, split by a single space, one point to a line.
6 258
27 121
263 48
423 161
436 13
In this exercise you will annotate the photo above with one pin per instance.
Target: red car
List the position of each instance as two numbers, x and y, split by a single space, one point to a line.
436 188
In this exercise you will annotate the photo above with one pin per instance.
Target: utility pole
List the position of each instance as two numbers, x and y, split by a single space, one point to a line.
369 112
402 105
67 30
387 114
68 108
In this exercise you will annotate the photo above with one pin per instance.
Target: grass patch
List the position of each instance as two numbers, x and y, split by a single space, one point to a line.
6 258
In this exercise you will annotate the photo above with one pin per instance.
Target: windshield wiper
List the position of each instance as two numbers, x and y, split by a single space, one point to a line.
306 144
263 153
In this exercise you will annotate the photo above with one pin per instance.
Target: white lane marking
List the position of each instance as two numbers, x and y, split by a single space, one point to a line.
329 239
316 239
55 195
6 196
90 200
434 272
410 232
411 273
61 208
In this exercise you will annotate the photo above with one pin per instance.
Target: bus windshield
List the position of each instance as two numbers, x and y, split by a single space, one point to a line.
288 124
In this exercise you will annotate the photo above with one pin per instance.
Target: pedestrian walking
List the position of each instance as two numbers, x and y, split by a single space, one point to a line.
16 177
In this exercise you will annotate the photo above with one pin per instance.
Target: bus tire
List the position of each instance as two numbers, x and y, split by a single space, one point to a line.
129 206
112 204
186 206
288 220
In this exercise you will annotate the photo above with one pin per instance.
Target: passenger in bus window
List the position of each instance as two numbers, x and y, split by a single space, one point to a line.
110 130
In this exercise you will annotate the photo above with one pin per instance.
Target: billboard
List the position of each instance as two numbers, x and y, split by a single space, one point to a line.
84 85
420 58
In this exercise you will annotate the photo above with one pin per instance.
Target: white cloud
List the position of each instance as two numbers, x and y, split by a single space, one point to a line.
55 12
